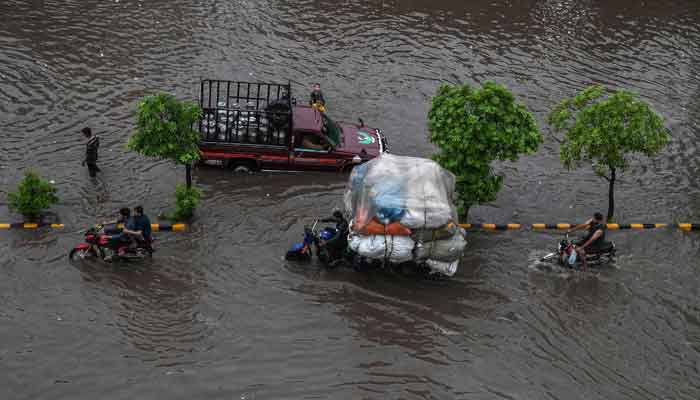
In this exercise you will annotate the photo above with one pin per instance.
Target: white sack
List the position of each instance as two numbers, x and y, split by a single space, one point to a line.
431 218
444 268
416 191
446 250
396 249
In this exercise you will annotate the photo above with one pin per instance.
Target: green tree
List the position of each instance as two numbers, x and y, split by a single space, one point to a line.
473 127
604 129
164 130
34 195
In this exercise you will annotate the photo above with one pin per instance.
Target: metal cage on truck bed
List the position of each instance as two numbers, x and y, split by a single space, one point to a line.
245 113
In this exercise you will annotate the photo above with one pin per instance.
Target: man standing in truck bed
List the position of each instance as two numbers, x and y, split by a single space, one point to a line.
317 99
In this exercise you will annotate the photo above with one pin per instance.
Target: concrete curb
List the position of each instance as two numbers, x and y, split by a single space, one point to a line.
162 227
564 226
168 227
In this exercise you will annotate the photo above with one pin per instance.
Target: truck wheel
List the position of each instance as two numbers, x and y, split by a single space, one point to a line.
242 166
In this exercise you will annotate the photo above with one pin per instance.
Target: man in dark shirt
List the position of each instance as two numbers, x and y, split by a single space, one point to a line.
112 227
139 226
341 224
93 144
594 241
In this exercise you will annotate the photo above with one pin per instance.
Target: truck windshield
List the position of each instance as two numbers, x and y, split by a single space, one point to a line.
330 128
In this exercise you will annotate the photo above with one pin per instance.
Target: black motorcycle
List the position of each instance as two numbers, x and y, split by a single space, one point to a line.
566 255
330 245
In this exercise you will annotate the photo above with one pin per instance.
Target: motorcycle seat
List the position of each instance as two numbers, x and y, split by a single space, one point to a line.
604 248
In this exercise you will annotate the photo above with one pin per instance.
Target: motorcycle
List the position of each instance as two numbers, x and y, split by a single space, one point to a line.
329 244
302 251
99 245
567 256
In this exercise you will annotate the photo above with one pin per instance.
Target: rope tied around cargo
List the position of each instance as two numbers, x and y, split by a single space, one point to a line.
386 244
433 232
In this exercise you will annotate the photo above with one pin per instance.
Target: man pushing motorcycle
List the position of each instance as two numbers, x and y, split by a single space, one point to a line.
594 241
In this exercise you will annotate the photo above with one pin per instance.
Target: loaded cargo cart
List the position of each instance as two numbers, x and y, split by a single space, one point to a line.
402 210
252 125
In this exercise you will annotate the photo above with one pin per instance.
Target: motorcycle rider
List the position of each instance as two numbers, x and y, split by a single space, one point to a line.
112 227
341 224
338 243
595 238
138 228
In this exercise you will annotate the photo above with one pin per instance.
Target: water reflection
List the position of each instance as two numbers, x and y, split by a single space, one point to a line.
401 308
154 304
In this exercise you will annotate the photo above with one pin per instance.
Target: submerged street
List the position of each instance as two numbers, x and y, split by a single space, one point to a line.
218 313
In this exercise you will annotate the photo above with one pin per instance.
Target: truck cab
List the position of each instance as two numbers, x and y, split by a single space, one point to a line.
253 126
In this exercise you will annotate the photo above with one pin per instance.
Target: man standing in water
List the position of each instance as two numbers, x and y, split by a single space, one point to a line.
92 145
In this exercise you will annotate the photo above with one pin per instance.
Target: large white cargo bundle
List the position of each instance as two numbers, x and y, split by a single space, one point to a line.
402 209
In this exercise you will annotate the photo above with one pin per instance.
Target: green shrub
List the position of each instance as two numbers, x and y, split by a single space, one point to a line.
34 195
186 200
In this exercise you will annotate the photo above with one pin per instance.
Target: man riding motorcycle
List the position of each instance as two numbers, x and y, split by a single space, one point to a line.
112 227
341 224
594 241
335 247
138 227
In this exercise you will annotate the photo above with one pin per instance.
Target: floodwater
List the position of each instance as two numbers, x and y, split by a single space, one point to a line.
219 314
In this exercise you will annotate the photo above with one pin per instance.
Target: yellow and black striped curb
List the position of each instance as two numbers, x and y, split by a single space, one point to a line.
506 227
689 227
28 225
610 226
162 227
167 227
492 227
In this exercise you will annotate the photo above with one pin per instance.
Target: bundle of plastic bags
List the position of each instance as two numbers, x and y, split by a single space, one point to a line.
402 209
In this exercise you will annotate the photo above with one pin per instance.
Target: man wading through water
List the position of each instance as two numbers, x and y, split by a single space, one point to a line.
91 147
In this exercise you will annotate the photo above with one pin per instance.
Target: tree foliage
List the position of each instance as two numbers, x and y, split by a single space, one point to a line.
34 195
186 200
165 129
473 127
605 129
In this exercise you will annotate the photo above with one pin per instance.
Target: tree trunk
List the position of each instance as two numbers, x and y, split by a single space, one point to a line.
188 175
611 195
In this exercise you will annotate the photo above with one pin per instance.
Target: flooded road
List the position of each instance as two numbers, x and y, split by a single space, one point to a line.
219 314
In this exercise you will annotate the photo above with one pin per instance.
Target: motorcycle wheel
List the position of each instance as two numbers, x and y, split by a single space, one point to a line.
77 254
323 256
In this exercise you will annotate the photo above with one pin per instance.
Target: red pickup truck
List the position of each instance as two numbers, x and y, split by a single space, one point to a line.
251 126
